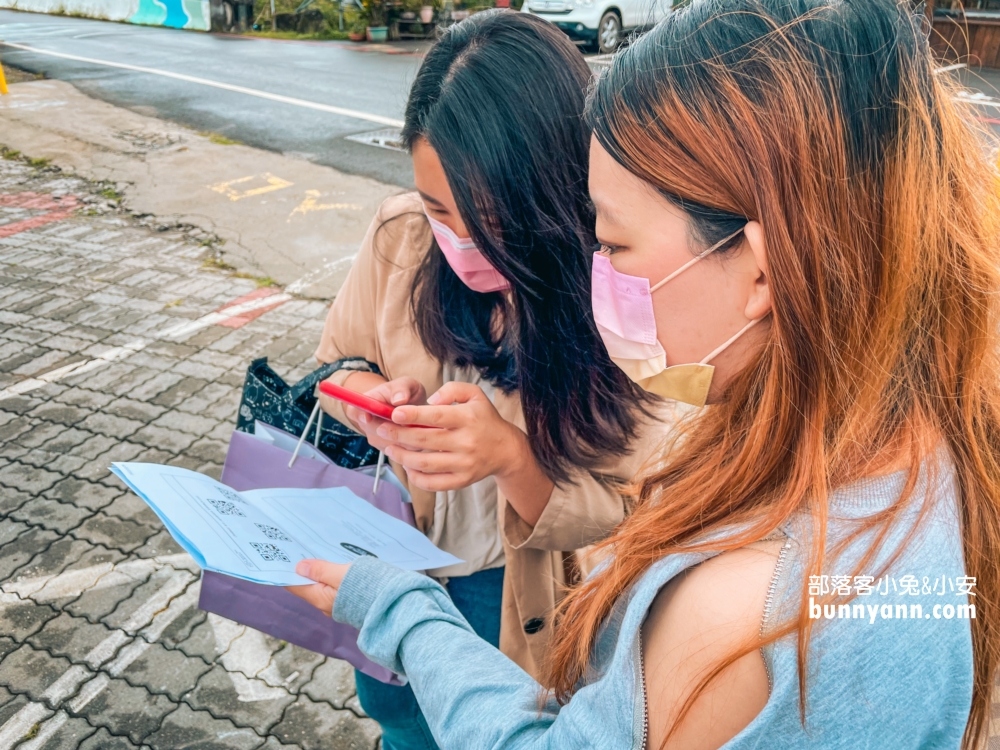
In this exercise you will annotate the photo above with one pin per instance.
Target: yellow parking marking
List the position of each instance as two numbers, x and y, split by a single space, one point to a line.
311 204
272 183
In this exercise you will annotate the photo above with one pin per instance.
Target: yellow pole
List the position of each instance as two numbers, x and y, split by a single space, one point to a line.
3 82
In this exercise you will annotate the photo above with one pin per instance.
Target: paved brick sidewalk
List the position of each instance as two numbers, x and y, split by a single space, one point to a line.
106 354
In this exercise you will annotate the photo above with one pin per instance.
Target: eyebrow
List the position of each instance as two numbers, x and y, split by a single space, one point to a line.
605 213
429 199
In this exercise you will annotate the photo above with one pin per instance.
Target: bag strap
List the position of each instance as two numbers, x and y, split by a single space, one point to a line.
308 383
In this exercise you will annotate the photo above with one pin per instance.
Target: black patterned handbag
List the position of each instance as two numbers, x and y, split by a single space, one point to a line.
267 397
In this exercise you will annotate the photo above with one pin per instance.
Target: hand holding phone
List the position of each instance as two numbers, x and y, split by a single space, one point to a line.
360 400
368 405
469 440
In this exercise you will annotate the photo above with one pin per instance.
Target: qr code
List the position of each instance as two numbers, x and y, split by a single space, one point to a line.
272 532
225 508
269 552
231 496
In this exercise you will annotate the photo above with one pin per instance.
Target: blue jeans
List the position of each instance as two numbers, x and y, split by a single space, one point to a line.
395 707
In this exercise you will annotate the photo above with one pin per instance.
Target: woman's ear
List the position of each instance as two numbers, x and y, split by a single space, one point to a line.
759 300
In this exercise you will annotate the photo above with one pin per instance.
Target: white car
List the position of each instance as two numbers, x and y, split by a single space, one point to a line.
600 25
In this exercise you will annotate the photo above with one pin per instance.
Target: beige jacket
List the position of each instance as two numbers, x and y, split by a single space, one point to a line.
371 318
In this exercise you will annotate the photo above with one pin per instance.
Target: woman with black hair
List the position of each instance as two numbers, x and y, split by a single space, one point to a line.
475 290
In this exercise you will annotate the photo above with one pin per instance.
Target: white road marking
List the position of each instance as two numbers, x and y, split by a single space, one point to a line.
50 727
344 112
245 654
978 98
188 327
72 582
968 96
327 269
155 612
250 690
248 660
18 725
184 328
32 105
111 355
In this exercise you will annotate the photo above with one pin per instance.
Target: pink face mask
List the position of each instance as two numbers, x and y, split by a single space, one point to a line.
623 311
467 261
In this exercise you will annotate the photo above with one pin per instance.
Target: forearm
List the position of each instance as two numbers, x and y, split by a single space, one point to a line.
363 381
583 511
523 483
470 693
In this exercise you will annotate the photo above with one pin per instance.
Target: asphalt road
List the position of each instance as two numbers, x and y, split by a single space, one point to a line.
332 74
370 80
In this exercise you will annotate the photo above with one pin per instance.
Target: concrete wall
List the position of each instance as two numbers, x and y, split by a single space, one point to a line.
180 14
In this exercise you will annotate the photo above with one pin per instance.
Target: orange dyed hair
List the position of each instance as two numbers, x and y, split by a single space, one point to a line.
824 121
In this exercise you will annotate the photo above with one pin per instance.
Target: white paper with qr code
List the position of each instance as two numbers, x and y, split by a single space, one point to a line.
260 535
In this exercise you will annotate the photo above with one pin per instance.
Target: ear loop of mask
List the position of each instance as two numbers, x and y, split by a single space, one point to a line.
718 350
694 260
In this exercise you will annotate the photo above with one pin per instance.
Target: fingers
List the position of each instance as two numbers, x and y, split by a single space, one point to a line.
445 417
370 421
455 393
354 415
382 392
319 595
417 438
323 571
406 390
436 482
368 426
443 407
430 463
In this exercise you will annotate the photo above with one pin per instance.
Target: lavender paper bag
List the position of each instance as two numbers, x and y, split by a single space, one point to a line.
252 464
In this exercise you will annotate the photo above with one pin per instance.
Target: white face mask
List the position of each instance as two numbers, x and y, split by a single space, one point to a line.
623 310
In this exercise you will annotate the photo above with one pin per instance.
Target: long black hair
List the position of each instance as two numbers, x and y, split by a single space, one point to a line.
500 98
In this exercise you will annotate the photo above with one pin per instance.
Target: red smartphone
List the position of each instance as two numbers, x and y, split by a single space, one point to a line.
363 402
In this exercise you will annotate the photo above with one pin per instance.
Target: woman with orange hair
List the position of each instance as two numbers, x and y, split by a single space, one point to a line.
783 189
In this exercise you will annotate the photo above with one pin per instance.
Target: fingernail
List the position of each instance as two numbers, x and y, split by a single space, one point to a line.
382 432
399 398
302 568
432 399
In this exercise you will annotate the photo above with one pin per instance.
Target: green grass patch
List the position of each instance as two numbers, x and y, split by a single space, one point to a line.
110 194
221 139
216 262
325 35
261 281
